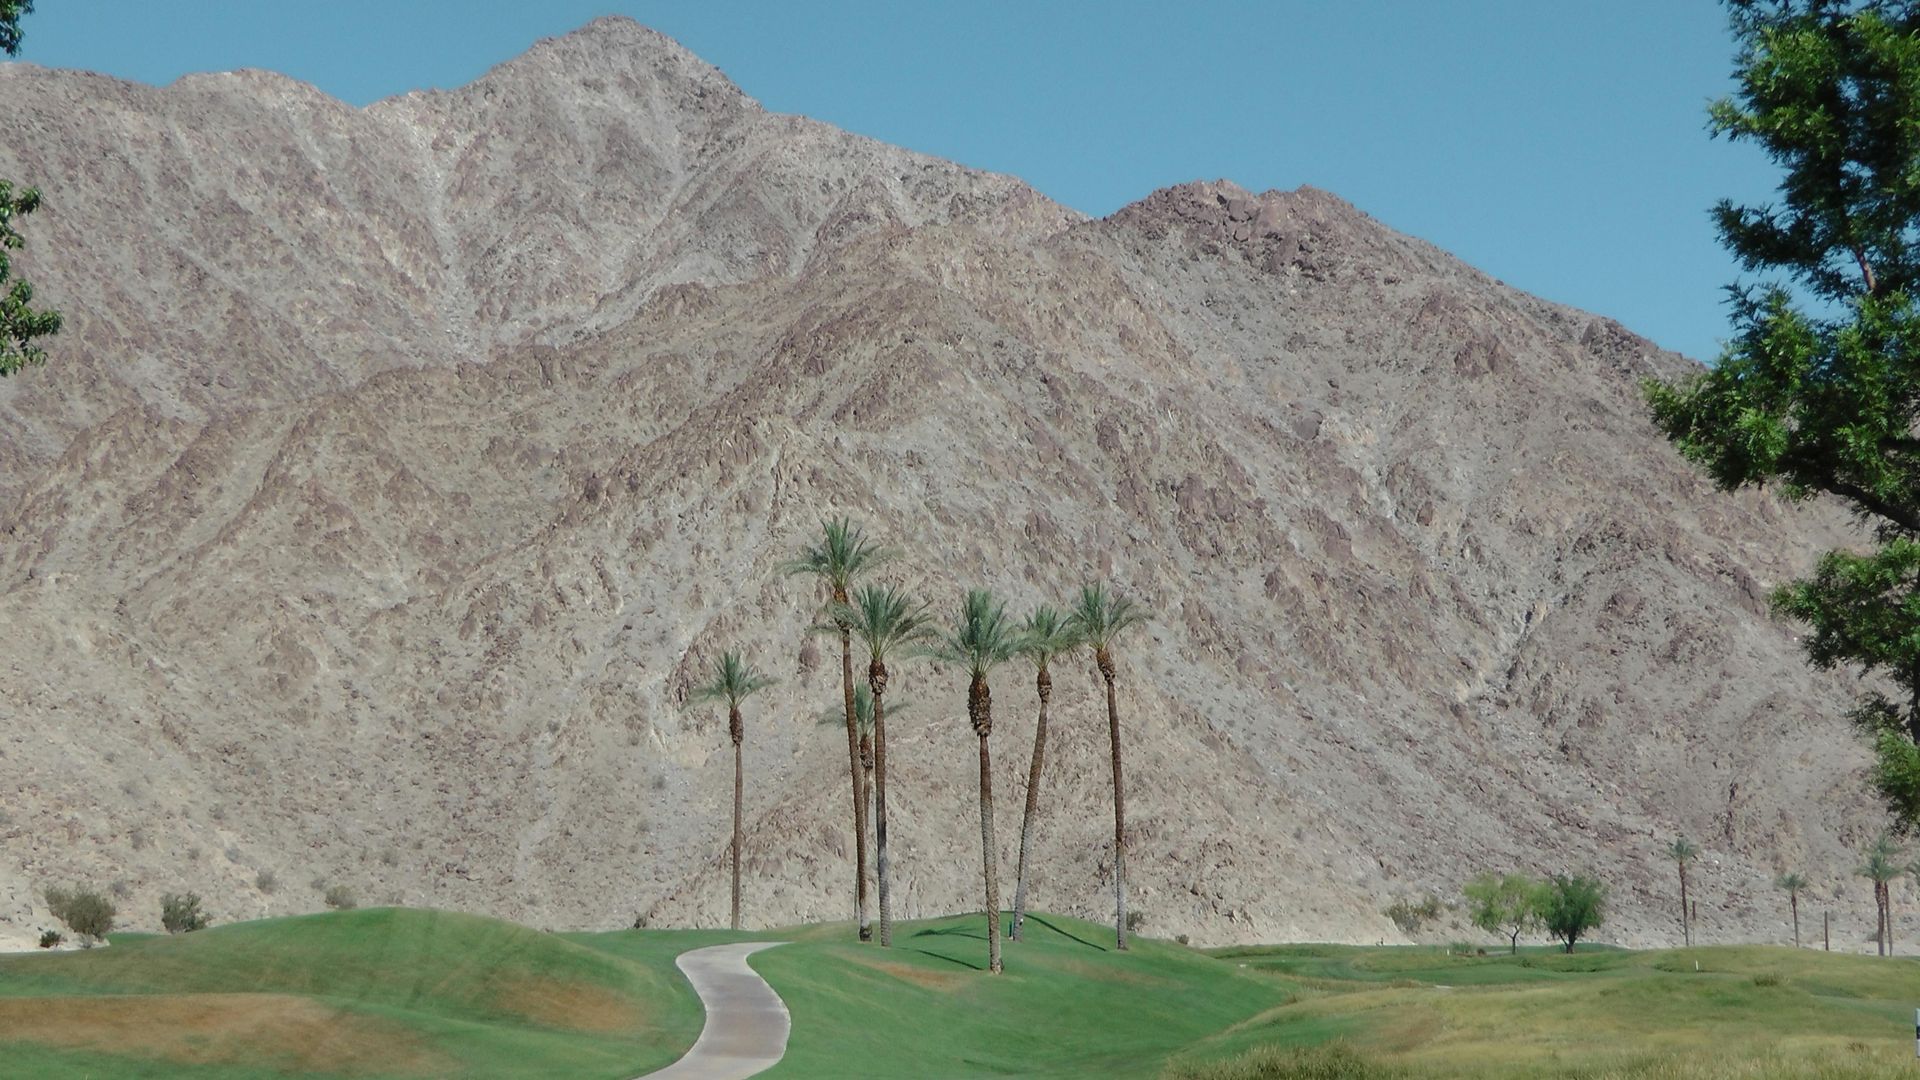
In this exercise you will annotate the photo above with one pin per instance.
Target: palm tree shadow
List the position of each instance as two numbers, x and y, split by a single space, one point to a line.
948 959
1069 936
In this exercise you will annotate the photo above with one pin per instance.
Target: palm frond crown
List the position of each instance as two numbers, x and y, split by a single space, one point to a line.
885 618
1790 882
862 710
981 637
843 554
1882 860
1099 617
731 680
1682 850
1047 634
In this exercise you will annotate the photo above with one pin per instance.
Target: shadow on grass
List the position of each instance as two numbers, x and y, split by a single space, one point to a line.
1032 918
948 959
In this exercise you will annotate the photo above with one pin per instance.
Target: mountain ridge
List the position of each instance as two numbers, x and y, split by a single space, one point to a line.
373 518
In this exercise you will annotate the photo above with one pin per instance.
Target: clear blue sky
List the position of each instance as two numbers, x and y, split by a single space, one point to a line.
1560 146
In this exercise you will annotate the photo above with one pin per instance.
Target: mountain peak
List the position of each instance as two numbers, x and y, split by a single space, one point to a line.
615 46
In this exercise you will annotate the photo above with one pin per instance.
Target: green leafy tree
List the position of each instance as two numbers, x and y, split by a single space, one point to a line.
889 622
733 680
1570 907
1682 852
1507 904
980 639
1044 636
20 323
1881 863
842 555
1818 393
1098 621
1793 885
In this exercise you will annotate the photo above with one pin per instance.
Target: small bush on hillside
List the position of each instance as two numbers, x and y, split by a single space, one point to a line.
86 912
1411 915
266 881
50 938
181 914
340 898
1182 939
1135 920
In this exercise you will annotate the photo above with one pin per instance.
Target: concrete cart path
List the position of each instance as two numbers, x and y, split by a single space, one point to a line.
747 1023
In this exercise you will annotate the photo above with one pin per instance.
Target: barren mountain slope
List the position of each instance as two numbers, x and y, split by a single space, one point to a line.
404 465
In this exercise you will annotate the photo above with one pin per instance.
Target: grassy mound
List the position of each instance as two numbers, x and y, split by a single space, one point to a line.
385 992
1706 1013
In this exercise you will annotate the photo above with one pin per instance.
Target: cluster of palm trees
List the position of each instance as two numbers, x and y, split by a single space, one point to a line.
1883 862
895 626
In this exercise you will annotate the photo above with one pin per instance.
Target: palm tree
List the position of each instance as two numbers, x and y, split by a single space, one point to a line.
1880 865
863 722
842 554
1682 852
1793 884
1044 636
733 681
1099 619
980 640
887 620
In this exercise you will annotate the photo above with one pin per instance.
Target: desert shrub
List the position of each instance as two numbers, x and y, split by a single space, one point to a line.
1329 1061
1182 939
120 889
266 881
340 898
1135 920
180 913
86 912
1411 915
50 938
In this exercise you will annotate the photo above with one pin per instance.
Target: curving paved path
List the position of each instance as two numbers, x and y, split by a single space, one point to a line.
747 1023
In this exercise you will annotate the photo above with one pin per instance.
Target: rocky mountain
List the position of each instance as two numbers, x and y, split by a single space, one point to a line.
400 467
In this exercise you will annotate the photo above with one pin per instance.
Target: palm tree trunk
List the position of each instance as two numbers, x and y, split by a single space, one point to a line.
859 790
1686 923
980 712
877 682
1043 684
734 723
1105 661
1793 901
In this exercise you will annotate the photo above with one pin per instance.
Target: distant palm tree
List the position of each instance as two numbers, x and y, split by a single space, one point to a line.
980 640
1682 852
1880 865
733 681
1793 884
1098 620
888 621
1044 636
843 554
863 723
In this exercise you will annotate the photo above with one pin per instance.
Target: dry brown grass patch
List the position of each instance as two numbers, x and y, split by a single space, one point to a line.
284 1031
569 1006
918 976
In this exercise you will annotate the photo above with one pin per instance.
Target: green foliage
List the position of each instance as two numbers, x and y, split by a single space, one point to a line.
1682 851
1411 915
1099 617
980 638
731 680
86 912
340 898
1505 904
50 938
885 619
1882 861
181 914
20 323
10 13
1047 634
1825 399
1791 884
842 554
1569 907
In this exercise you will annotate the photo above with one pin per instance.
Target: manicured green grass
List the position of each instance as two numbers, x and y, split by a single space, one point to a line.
1747 1011
356 993
392 993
